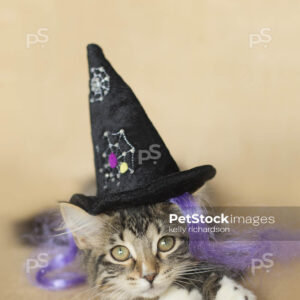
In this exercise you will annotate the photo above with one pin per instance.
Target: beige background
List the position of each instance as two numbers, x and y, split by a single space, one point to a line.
213 98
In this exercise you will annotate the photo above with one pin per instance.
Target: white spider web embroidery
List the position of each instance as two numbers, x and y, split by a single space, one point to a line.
99 84
118 157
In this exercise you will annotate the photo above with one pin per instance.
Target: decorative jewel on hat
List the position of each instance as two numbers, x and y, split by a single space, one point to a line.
121 130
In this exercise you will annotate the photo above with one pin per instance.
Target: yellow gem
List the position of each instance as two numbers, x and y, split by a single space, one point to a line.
123 167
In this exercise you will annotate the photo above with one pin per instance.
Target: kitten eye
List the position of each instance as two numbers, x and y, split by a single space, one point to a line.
120 253
166 243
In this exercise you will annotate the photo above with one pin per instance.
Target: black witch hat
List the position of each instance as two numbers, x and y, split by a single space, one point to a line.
133 165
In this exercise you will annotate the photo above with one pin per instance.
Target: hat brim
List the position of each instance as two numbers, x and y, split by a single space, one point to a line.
160 190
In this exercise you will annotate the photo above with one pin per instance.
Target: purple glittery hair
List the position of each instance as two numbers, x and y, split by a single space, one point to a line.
235 252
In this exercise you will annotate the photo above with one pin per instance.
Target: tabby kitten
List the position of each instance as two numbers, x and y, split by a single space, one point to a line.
131 255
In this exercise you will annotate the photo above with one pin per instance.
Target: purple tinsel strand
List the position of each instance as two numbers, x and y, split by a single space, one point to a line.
65 279
45 234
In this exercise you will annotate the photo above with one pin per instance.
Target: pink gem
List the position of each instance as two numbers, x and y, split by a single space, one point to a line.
112 159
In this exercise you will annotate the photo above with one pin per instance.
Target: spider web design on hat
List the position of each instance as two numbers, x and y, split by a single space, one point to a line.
118 157
99 84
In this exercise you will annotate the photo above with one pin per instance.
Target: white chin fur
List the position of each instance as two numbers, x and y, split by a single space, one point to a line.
152 293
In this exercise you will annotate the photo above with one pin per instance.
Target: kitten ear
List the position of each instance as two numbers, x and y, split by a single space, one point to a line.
84 227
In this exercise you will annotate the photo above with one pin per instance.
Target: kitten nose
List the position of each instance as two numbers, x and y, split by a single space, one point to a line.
150 277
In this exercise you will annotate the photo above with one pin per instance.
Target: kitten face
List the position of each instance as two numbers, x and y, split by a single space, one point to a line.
130 253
